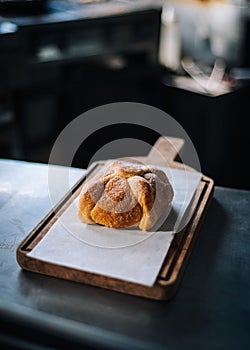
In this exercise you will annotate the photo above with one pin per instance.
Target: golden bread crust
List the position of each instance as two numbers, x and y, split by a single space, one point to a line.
125 194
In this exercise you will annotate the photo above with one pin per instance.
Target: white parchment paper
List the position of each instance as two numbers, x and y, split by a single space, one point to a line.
130 255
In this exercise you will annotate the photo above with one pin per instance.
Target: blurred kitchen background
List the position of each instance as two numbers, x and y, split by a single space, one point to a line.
189 58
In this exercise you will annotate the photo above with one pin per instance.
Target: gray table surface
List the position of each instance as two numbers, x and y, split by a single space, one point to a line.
211 309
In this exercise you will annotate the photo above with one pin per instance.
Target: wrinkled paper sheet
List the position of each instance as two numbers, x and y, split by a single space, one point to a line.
127 254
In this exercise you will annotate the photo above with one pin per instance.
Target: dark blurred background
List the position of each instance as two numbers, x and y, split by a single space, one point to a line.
188 58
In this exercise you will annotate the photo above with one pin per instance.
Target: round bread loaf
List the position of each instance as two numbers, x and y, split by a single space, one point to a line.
125 194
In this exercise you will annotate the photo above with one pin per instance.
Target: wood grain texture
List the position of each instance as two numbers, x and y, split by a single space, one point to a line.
164 153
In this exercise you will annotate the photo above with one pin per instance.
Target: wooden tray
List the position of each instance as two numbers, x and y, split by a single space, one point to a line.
165 151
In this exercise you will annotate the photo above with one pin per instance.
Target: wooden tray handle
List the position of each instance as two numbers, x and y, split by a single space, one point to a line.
165 150
163 153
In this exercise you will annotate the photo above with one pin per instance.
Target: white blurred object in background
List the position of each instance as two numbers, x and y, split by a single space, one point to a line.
205 30
170 39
